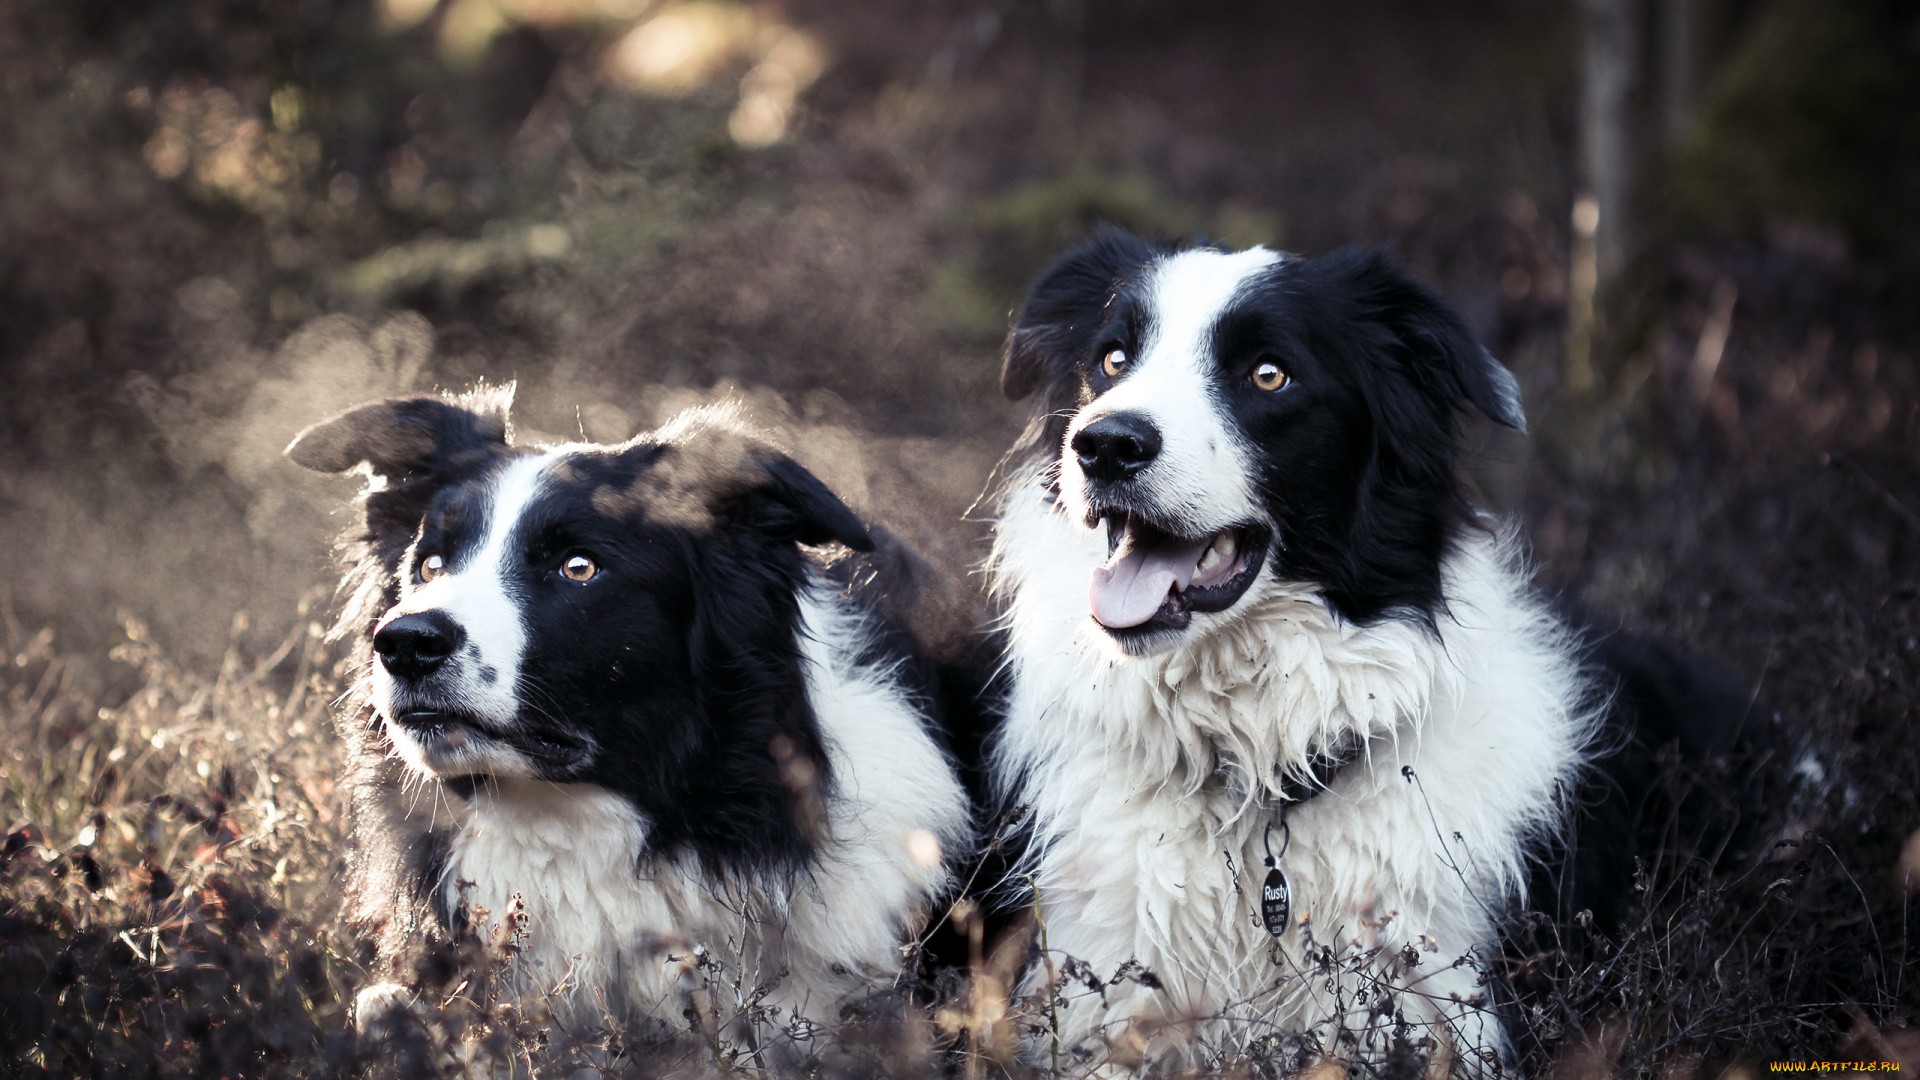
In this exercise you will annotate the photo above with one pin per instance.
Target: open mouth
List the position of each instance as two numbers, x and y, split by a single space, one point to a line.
445 732
1154 580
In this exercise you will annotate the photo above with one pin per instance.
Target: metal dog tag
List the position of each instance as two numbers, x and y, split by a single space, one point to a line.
1276 902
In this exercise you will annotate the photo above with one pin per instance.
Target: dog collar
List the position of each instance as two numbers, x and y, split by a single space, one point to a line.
1322 767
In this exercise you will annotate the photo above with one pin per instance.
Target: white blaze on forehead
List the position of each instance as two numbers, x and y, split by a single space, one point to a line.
1202 476
477 591
1190 291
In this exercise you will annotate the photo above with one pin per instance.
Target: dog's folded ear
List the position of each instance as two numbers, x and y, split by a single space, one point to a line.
414 447
402 437
708 467
1065 308
1498 393
792 503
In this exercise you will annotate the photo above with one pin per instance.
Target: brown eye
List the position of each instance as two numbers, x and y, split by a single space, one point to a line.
1115 363
1269 377
432 567
579 568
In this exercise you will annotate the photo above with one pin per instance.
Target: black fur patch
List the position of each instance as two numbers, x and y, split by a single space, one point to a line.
1675 772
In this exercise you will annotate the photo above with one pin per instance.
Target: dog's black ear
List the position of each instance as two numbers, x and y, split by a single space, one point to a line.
400 438
712 463
1065 308
1498 393
415 447
1441 351
794 503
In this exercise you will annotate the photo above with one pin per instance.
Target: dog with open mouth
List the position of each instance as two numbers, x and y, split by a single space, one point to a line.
610 694
1288 719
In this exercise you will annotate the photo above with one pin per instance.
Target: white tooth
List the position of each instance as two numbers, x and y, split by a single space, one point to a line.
1224 545
1209 559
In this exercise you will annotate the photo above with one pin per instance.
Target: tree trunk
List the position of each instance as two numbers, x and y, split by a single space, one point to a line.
1613 60
1681 35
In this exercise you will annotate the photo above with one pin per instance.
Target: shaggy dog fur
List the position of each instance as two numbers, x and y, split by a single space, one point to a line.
609 695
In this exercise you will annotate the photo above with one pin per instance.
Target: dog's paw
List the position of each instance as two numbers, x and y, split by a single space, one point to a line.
380 1008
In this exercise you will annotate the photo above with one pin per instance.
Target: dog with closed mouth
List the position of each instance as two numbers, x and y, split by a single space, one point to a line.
610 691
1289 721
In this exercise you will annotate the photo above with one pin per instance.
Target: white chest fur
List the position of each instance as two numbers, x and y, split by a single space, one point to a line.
570 854
1152 782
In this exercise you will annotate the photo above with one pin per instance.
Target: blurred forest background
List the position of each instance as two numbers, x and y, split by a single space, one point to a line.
1692 228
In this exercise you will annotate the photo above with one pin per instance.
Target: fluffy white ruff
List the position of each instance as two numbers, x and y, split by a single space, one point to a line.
1152 781
638 935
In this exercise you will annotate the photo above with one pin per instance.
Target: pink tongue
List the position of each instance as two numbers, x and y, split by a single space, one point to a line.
1129 589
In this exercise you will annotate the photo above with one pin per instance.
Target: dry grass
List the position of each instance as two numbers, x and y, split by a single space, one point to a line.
168 892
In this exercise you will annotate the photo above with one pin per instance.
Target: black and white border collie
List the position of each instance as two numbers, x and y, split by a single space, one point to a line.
609 691
1251 613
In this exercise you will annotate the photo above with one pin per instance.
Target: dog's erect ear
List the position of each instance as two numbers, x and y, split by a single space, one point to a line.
402 437
794 503
1441 352
1065 307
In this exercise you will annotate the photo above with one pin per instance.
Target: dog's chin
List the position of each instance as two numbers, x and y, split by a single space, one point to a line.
1140 642
1167 630
444 744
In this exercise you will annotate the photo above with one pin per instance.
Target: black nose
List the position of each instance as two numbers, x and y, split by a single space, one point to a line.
412 646
1116 447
